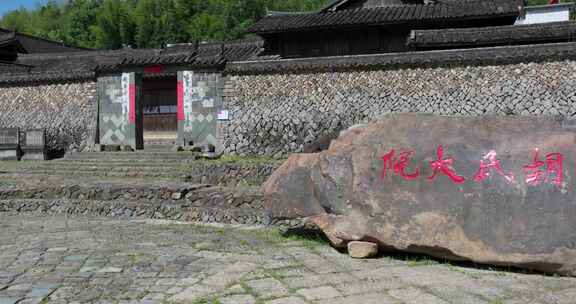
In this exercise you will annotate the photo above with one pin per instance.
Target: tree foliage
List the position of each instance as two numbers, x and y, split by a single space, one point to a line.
112 24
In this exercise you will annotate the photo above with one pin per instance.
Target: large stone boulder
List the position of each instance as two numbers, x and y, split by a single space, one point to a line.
494 190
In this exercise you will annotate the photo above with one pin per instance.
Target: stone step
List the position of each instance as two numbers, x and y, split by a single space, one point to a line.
159 146
127 191
173 201
203 213
225 172
112 174
181 176
106 164
136 156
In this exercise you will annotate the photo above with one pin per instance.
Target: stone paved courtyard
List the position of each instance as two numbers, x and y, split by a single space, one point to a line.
102 260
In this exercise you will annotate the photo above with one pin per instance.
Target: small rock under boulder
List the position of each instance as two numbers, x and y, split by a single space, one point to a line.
362 250
493 190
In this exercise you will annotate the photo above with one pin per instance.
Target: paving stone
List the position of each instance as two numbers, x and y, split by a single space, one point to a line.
293 272
230 275
267 288
319 293
456 294
565 296
415 296
287 300
167 271
233 290
371 298
319 280
40 292
174 290
5 300
89 269
363 286
110 270
195 292
57 249
31 301
20 287
238 299
74 258
154 296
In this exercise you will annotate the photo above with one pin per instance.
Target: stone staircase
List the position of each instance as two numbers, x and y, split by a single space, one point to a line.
139 156
144 184
167 201
168 166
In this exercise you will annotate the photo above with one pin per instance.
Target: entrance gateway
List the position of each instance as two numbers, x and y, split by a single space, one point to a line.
144 110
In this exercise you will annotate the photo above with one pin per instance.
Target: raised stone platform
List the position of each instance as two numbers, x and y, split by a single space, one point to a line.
170 166
221 191
173 201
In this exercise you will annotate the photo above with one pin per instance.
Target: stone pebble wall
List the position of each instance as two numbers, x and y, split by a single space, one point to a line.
231 175
195 203
274 114
67 111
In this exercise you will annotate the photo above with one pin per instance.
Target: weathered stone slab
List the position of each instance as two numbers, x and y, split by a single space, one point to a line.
495 190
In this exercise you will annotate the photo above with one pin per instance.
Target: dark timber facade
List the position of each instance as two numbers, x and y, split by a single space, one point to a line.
374 26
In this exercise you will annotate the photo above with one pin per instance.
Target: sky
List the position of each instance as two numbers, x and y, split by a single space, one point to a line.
8 5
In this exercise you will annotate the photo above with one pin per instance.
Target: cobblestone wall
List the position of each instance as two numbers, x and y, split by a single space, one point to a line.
278 113
67 111
191 203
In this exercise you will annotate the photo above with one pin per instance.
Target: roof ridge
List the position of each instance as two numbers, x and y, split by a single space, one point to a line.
485 28
379 16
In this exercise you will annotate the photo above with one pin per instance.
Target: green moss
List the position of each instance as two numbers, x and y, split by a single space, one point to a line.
134 258
497 301
241 160
421 262
275 237
206 300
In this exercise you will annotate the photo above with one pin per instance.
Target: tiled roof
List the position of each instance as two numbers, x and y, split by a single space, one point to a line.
496 35
465 9
39 45
85 65
423 59
210 54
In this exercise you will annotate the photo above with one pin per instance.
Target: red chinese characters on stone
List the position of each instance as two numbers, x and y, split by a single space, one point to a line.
487 164
535 175
398 165
444 165
551 169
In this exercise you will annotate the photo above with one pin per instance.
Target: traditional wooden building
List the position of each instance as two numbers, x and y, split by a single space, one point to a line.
374 26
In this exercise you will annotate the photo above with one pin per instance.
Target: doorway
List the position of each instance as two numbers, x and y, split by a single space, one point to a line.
159 111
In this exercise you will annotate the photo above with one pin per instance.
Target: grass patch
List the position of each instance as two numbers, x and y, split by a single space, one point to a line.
203 246
247 288
242 160
424 261
309 238
205 300
134 258
7 183
497 301
306 237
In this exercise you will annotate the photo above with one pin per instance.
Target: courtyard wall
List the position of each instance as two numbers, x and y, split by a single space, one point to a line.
280 107
66 110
